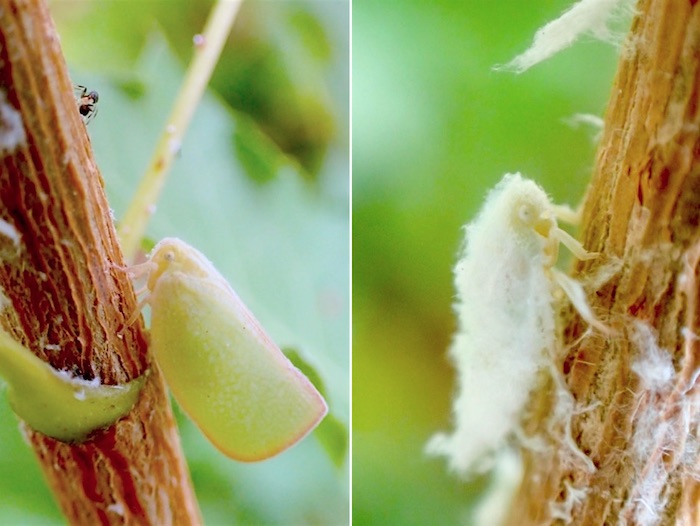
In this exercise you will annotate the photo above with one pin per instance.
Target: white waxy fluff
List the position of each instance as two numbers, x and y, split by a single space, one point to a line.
583 17
508 473
505 309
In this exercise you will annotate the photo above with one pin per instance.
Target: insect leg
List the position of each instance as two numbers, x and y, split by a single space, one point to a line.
573 245
574 291
79 90
567 214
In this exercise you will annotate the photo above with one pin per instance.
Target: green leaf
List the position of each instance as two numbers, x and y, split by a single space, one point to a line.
257 153
331 432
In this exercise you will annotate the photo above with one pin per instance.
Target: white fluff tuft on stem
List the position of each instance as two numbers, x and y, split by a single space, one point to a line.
584 17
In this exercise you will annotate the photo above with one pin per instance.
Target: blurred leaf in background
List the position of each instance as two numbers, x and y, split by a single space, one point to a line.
265 202
434 128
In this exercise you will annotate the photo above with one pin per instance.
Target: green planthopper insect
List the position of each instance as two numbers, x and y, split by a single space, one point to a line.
222 368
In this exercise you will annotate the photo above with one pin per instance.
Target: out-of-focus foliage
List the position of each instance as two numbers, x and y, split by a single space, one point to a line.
273 221
283 68
434 127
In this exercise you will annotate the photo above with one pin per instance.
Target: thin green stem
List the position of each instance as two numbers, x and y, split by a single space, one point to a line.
207 50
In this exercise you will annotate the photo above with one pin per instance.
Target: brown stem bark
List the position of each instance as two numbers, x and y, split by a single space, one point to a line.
69 298
643 211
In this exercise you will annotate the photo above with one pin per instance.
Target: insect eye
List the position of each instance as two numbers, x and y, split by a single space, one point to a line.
94 96
526 213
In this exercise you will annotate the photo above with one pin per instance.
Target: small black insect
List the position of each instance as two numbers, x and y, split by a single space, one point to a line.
87 102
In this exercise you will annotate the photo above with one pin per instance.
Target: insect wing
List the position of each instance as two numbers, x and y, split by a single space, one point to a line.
79 91
227 375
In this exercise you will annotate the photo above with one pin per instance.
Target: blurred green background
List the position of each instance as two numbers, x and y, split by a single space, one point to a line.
261 187
434 128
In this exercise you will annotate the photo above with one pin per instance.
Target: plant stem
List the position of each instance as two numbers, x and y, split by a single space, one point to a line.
65 296
642 211
208 47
